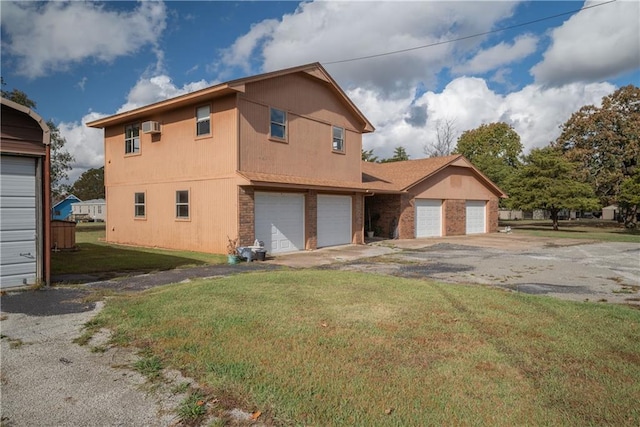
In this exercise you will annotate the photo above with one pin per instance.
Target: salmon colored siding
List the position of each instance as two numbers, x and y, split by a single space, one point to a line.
453 179
206 229
311 112
170 161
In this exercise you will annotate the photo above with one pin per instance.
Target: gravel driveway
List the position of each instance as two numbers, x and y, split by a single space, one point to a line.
46 379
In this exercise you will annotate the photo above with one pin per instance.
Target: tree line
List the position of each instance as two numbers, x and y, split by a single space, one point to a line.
594 162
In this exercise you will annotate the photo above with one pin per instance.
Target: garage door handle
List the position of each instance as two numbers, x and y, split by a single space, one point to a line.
27 255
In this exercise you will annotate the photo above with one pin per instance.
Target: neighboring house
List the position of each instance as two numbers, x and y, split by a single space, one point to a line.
89 210
62 209
440 196
24 197
274 157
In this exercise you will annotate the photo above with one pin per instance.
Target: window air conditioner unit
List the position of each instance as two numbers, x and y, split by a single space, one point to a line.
150 127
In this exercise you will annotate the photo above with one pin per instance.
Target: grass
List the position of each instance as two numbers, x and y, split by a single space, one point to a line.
94 256
343 348
606 231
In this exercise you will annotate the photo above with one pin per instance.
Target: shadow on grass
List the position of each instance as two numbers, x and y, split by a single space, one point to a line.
107 261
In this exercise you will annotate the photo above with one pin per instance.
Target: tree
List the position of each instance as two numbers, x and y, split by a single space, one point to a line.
60 159
546 181
495 149
60 162
399 154
445 137
605 142
90 185
367 156
629 199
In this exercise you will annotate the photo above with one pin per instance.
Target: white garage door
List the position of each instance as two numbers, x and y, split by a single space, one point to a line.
17 221
279 221
334 220
476 216
428 218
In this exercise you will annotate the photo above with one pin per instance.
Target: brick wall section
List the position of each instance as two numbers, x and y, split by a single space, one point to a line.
246 216
406 226
492 213
384 206
455 217
357 219
311 219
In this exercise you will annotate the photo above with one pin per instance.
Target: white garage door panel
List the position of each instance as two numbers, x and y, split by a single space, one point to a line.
476 219
17 221
428 218
334 220
279 221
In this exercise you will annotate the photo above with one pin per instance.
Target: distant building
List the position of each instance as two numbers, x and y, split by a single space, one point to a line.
89 210
62 209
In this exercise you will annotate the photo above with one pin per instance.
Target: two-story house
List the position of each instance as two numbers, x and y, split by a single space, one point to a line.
274 157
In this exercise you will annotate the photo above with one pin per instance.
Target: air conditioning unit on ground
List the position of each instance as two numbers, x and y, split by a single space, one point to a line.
150 127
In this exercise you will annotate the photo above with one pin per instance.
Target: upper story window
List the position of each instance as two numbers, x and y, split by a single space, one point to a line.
338 139
182 204
203 120
132 139
139 204
278 128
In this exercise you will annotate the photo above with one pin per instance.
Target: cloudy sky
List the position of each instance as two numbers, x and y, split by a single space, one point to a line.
409 66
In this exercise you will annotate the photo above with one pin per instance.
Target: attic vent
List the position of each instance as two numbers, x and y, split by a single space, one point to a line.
150 127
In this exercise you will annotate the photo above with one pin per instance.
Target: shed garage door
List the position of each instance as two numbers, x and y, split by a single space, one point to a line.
17 221
334 220
279 221
476 216
428 218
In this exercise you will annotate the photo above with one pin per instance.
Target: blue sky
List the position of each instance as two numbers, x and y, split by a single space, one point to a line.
86 60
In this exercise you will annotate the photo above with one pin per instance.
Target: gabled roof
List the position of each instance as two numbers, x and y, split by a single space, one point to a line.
314 70
70 197
401 176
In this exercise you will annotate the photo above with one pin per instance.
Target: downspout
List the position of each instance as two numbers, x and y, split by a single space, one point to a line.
47 207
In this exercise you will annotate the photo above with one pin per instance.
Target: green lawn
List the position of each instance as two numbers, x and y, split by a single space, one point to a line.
331 348
94 256
606 231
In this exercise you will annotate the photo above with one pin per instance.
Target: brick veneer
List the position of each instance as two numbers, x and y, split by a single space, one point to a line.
357 219
311 219
246 216
493 214
455 217
386 207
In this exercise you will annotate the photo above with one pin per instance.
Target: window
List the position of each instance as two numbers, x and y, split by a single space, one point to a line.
138 202
132 139
182 204
278 127
203 121
338 139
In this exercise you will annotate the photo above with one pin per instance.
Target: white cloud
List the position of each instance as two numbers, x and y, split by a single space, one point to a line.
157 88
84 143
592 45
535 112
499 55
46 37
329 31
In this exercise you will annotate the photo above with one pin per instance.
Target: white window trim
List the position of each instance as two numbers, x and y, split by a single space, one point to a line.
333 140
132 140
187 204
136 204
203 119
284 125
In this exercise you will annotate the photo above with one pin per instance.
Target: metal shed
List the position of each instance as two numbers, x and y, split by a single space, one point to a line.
24 197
